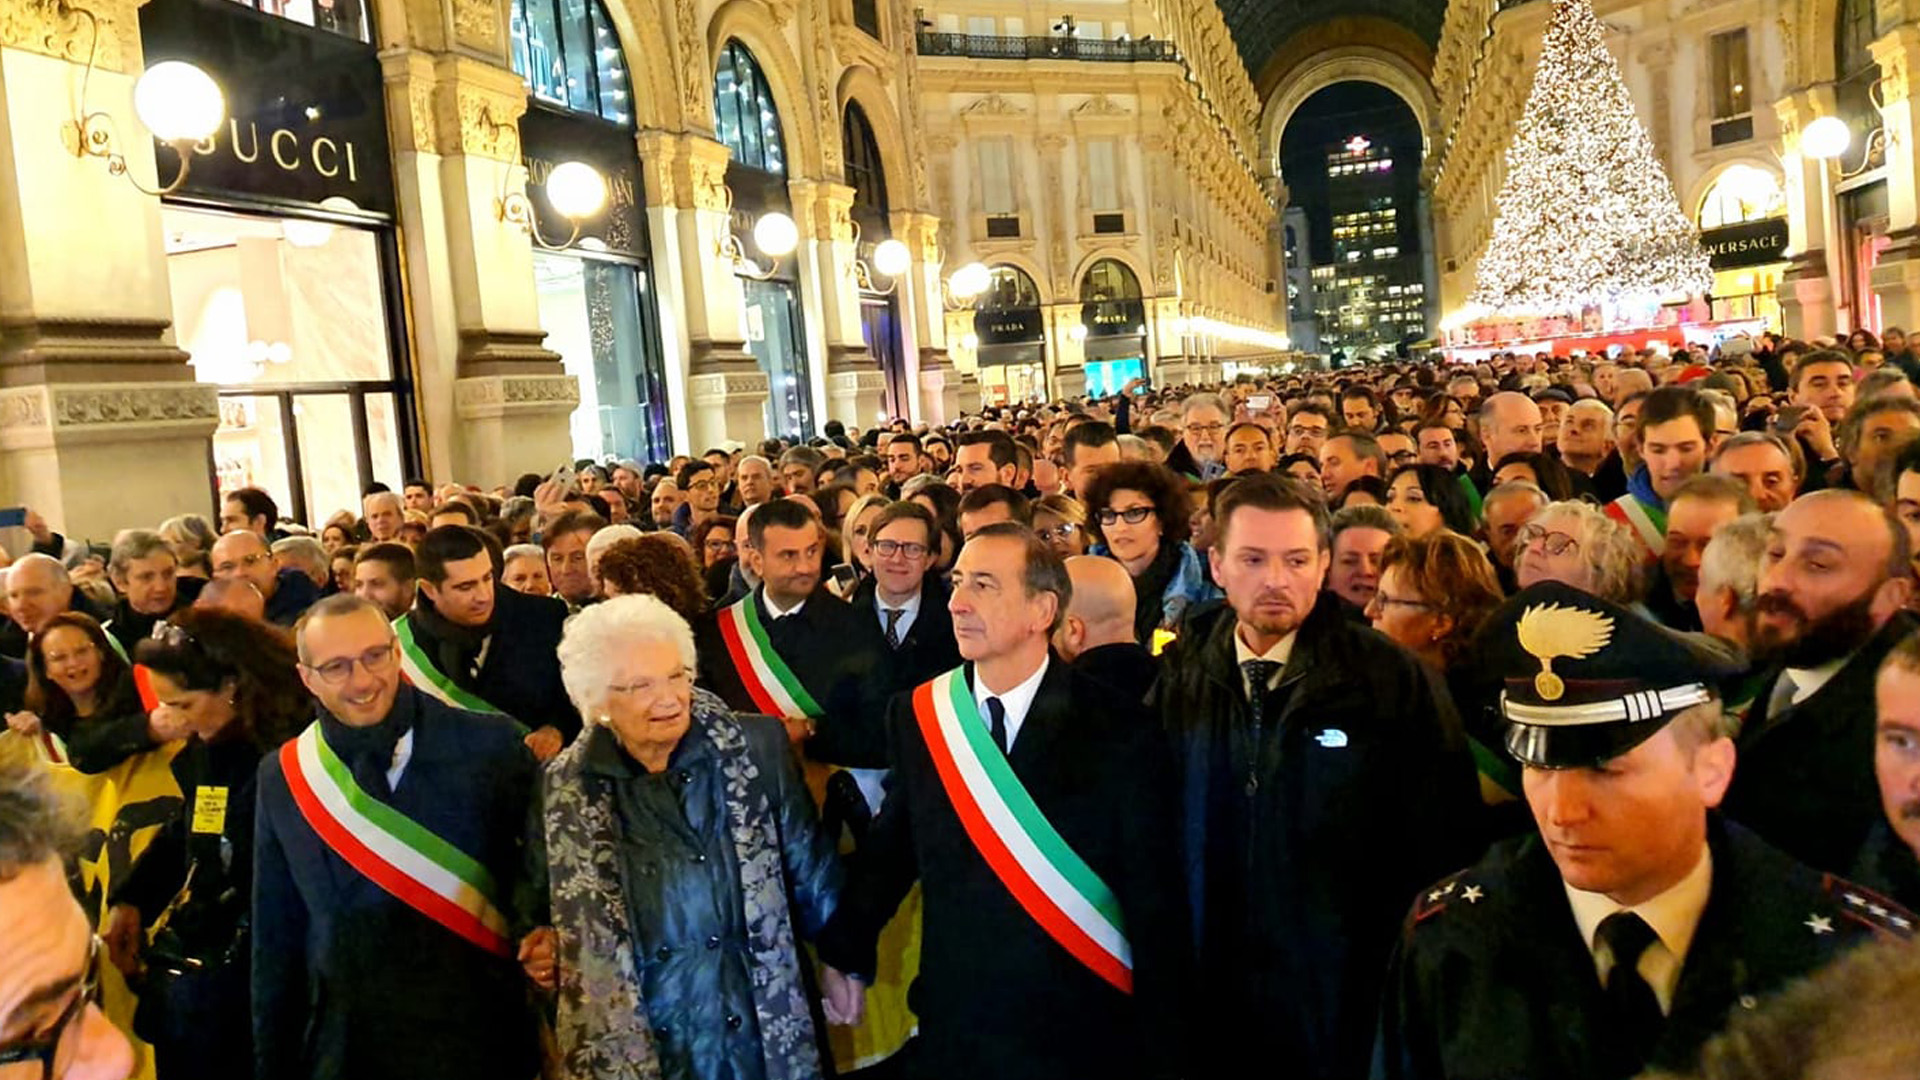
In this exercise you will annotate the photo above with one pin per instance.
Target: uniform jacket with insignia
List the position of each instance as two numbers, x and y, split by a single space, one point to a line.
1493 981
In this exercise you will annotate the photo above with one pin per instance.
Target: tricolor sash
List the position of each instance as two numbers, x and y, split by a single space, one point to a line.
1649 524
774 688
392 850
419 670
1048 879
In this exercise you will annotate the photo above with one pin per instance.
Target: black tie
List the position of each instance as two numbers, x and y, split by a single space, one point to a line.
1257 673
1635 1010
893 626
997 722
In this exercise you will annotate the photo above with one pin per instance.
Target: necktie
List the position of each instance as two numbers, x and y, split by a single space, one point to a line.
1634 1009
893 626
1258 673
997 722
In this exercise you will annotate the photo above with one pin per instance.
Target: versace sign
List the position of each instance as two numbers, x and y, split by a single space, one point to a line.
1752 243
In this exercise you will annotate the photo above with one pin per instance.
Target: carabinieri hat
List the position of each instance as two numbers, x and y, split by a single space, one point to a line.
1588 680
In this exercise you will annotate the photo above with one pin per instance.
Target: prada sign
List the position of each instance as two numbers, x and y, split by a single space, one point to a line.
1114 318
1008 327
1752 243
547 138
306 112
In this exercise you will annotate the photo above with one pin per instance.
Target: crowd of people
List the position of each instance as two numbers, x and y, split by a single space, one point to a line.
1541 717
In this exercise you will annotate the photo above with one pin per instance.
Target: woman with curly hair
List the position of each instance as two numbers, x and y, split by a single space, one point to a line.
231 685
1142 517
1435 591
655 564
81 691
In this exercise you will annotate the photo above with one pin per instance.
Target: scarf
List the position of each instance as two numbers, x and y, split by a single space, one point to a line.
603 1030
456 648
1150 590
368 751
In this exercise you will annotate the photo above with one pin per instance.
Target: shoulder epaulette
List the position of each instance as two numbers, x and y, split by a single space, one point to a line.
1868 908
1458 889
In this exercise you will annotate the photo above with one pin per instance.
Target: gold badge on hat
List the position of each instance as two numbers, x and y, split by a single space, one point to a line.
1549 631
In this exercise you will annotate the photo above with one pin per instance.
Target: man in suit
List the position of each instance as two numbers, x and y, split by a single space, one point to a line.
1021 981
792 649
1303 740
1833 583
907 603
1097 636
476 645
1625 932
363 969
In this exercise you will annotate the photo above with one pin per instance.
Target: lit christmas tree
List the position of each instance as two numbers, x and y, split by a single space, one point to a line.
1586 214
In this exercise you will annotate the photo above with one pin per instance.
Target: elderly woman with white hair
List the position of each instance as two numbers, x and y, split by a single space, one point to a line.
686 859
1577 544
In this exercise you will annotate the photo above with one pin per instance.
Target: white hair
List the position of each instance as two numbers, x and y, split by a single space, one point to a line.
752 458
376 498
1592 405
1204 400
606 538
596 638
1732 558
37 560
523 551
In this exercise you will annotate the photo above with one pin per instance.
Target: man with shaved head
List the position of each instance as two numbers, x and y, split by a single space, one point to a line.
1096 637
235 595
1834 581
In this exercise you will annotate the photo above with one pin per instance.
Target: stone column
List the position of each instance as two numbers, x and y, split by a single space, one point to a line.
856 387
1896 277
495 401
1810 292
102 425
923 311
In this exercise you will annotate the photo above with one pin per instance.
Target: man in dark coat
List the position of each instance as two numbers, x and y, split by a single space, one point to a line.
38 588
813 637
145 574
912 631
485 640
1325 778
1097 635
1890 860
1622 934
350 981
1832 587
1010 986
243 554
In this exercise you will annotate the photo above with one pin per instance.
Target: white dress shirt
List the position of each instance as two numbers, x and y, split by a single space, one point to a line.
1017 701
1281 652
1673 915
402 753
909 610
773 609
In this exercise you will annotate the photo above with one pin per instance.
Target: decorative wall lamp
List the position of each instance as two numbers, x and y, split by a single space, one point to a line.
965 285
1077 332
774 233
891 259
575 190
176 101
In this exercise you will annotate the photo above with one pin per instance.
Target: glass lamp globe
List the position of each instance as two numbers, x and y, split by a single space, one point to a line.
971 280
970 341
576 190
775 234
178 102
1826 137
892 258
1078 332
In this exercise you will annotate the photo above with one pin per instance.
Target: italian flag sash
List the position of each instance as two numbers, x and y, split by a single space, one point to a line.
1648 523
420 869
430 680
772 685
1050 881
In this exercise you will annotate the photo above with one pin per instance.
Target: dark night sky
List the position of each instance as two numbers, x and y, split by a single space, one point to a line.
1332 116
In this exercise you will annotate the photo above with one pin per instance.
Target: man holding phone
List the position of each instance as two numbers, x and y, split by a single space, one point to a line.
1823 391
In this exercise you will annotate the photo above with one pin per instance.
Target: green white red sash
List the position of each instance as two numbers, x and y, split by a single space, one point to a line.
430 680
772 685
1648 523
1048 879
395 852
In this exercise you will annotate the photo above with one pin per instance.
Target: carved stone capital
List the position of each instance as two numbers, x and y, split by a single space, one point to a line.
725 388
698 167
477 109
492 396
108 30
497 352
845 359
708 356
56 350
476 25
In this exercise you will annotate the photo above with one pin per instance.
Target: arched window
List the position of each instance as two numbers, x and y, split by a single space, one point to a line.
569 55
1855 73
1109 280
865 175
1008 289
748 121
1741 194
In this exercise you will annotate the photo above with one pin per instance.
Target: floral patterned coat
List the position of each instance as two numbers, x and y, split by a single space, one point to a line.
676 897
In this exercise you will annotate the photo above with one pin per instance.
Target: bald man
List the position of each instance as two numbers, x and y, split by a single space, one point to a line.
235 595
244 555
38 588
1096 637
1510 423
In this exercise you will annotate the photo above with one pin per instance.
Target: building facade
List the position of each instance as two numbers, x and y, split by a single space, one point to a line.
362 275
1373 296
1303 318
1101 166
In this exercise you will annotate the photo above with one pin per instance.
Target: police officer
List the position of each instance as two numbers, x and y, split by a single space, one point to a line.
1623 934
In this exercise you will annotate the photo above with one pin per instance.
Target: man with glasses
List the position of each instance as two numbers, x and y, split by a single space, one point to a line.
392 902
908 604
1399 448
701 485
50 1028
1308 426
245 556
1203 429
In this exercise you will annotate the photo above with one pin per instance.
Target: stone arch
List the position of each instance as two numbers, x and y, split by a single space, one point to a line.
1697 191
1348 63
751 24
1129 259
861 85
1025 264
650 63
1812 43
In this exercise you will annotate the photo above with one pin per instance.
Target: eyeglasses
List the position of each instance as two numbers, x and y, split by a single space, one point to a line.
246 561
1132 515
1401 457
1205 429
173 635
719 546
887 549
1063 531
55 660
46 1049
1301 431
1557 543
337 672
700 485
1384 601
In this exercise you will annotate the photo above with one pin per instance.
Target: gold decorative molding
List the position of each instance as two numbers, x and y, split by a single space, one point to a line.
489 396
108 30
476 25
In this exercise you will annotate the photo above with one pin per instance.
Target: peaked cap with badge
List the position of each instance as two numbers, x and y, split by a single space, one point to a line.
1588 680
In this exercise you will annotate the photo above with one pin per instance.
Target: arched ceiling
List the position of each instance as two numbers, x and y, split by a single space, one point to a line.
1263 28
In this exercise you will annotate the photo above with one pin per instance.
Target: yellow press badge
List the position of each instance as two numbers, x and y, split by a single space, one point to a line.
210 810
1161 639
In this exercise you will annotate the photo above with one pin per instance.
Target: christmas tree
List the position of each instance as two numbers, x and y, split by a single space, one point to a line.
1586 214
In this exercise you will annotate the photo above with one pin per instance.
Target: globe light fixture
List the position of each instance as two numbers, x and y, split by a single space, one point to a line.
1077 332
970 281
576 190
970 341
776 235
177 102
1825 138
892 258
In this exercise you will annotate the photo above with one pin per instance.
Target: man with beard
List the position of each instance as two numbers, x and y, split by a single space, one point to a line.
1302 739
1203 428
904 460
1890 861
1832 585
482 648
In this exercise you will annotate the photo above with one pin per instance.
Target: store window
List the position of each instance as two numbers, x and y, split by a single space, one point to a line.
995 156
879 311
748 121
347 18
1114 313
1732 91
865 175
1011 328
570 56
